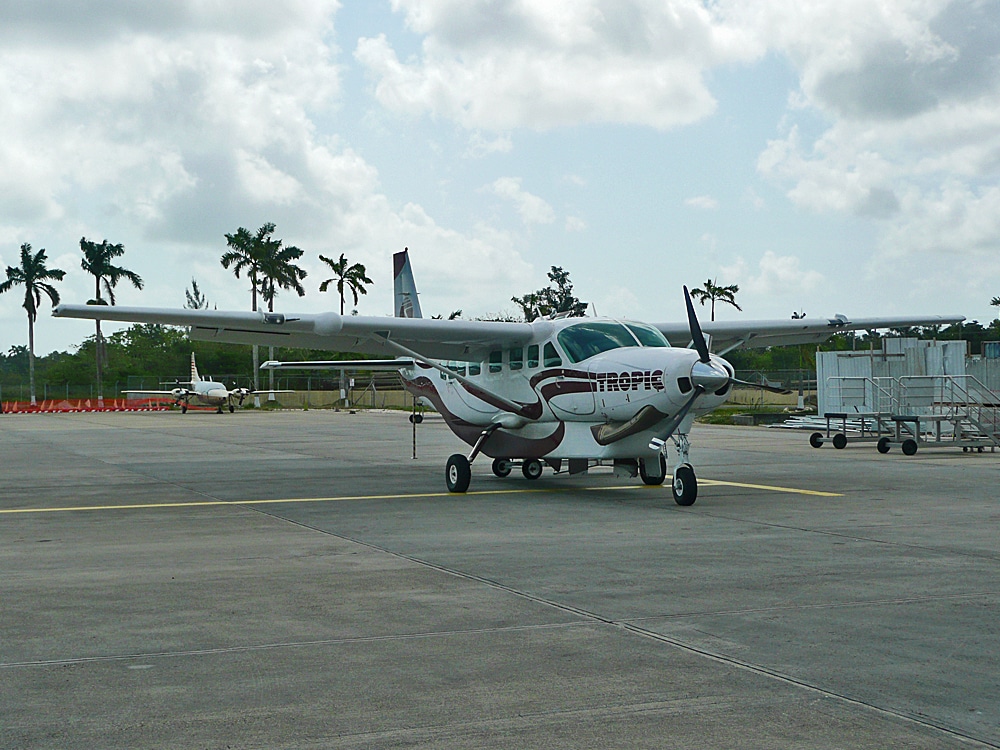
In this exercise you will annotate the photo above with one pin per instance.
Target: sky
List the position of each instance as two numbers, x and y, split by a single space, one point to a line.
828 156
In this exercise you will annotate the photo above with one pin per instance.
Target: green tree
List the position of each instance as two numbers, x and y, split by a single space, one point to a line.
35 277
711 291
248 253
278 271
351 277
193 298
552 300
98 262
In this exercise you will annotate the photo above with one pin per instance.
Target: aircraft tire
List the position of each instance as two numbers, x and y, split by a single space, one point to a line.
231 408
909 447
532 468
840 441
816 440
685 485
184 408
416 418
458 473
653 479
882 446
501 467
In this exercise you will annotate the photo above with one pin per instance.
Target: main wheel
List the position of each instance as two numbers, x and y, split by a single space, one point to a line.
502 467
816 440
532 468
685 485
654 478
231 408
909 446
840 441
458 473
416 418
184 409
882 446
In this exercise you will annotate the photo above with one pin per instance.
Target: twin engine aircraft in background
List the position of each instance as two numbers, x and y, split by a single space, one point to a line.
203 392
569 393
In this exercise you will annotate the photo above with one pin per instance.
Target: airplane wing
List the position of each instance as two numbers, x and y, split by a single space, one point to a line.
758 334
438 339
341 364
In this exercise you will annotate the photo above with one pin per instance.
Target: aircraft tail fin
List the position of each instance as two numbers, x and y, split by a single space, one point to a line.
404 288
194 371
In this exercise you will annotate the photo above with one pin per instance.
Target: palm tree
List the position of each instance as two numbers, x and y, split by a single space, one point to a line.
352 277
248 252
278 271
35 277
713 292
97 261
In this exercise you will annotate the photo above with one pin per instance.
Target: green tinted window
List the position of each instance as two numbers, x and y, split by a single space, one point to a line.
584 340
496 361
552 358
647 335
516 358
533 356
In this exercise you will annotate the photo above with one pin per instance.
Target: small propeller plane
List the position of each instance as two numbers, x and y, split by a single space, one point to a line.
569 393
203 392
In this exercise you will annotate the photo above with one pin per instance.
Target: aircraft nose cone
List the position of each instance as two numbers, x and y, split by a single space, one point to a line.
709 375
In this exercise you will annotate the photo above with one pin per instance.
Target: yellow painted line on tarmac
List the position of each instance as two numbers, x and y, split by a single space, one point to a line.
409 496
767 487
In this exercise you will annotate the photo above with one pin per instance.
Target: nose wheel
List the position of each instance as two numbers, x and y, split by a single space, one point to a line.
685 485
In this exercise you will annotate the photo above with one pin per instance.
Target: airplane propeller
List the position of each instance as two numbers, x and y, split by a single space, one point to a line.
706 376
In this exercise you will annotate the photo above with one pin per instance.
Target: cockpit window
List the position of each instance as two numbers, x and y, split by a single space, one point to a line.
647 335
584 340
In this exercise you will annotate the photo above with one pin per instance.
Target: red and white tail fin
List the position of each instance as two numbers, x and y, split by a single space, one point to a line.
194 371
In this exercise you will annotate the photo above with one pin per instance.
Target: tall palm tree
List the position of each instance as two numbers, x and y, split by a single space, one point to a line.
351 277
97 261
711 291
277 270
35 276
248 253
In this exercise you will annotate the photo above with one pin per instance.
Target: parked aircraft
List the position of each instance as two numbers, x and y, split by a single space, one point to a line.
203 392
569 393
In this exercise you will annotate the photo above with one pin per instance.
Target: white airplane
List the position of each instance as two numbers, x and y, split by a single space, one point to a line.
569 393
203 392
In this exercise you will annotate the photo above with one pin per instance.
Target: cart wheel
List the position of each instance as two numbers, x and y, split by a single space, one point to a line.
816 440
840 441
909 446
882 446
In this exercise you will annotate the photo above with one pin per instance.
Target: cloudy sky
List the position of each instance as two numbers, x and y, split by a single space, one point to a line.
826 155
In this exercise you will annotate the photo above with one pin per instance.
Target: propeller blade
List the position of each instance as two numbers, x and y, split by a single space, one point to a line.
762 386
657 442
696 335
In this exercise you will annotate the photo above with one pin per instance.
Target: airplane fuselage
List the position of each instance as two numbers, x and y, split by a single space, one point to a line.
570 403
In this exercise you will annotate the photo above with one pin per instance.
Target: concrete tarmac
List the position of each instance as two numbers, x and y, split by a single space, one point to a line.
298 580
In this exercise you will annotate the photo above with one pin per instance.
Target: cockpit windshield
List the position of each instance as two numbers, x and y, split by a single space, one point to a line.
647 335
584 340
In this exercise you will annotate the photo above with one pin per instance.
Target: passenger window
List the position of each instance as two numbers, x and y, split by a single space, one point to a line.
552 358
475 368
516 358
496 361
533 356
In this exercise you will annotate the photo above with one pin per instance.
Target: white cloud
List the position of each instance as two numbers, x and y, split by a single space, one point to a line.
531 208
704 202
575 224
498 66
776 276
